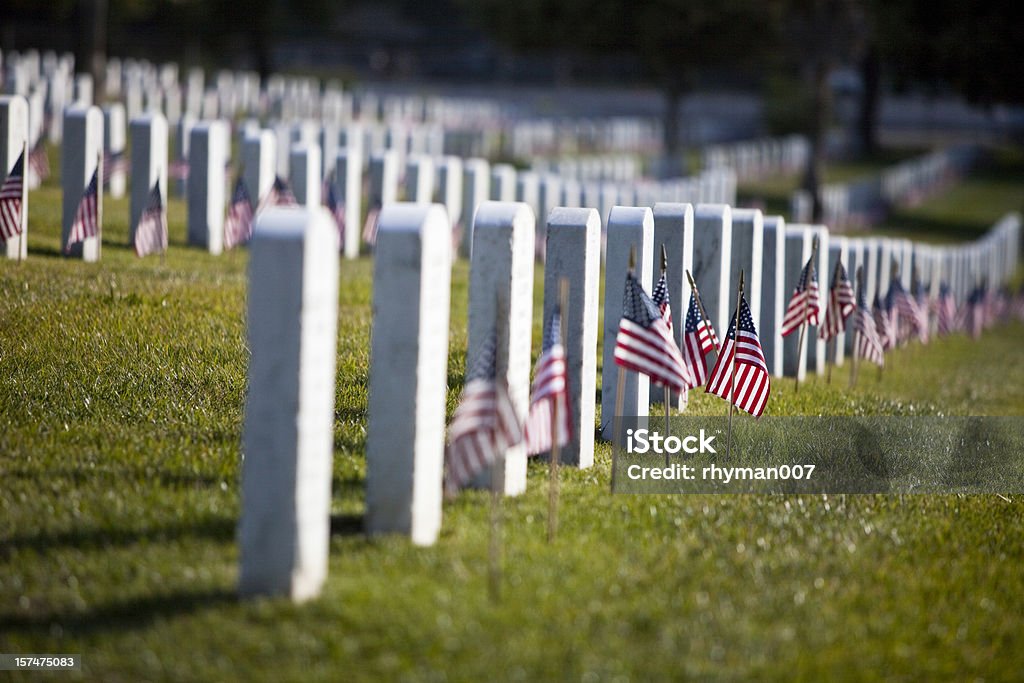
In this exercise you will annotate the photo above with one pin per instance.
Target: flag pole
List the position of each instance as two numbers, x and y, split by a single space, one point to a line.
803 325
856 332
620 393
668 392
835 338
24 200
99 198
732 365
700 304
556 446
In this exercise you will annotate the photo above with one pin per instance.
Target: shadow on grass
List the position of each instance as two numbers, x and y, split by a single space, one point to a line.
220 529
123 615
347 525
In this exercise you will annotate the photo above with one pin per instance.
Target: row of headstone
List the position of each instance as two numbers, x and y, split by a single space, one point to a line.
610 167
292 339
866 201
751 159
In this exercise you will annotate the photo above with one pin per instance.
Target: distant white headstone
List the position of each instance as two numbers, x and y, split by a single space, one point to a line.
258 166
799 240
114 145
149 165
14 143
289 415
208 154
712 262
476 188
81 152
305 173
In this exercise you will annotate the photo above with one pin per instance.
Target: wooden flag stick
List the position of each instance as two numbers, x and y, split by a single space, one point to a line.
556 446
620 393
700 304
667 397
732 366
856 332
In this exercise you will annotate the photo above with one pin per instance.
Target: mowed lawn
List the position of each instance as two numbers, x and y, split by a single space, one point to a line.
122 388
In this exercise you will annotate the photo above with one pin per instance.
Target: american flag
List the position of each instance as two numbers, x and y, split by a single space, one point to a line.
370 226
906 316
336 208
86 223
976 304
38 162
178 169
484 425
238 226
946 310
884 325
113 162
841 304
10 200
644 342
660 298
698 341
751 385
280 194
867 344
151 232
550 387
804 305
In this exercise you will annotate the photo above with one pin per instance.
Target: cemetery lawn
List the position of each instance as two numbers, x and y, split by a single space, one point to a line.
122 387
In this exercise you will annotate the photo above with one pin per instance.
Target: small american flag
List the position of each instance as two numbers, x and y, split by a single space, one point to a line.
751 386
906 317
484 425
113 162
841 304
698 341
644 342
280 195
178 169
151 232
10 200
804 305
370 226
550 387
238 226
336 208
86 223
660 298
38 161
867 344
884 325
976 304
946 310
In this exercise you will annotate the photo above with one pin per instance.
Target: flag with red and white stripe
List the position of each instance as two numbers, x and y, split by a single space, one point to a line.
884 325
841 304
946 311
11 196
804 305
280 194
238 226
86 222
151 232
644 342
550 388
741 374
698 341
867 344
484 425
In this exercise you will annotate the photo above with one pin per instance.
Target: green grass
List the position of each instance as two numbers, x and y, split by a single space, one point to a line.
122 387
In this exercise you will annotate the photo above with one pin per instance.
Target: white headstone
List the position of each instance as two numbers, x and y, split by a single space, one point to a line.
449 179
773 294
628 227
574 252
305 173
81 151
288 441
816 350
837 251
383 178
149 165
408 372
419 179
501 299
114 136
748 255
503 183
14 143
258 167
181 147
348 180
476 188
208 154
712 262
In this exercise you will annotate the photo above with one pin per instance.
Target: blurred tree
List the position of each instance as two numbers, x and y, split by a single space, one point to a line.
672 40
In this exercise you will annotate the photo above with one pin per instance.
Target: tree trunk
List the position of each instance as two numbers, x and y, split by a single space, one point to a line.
870 70
814 174
671 162
95 48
